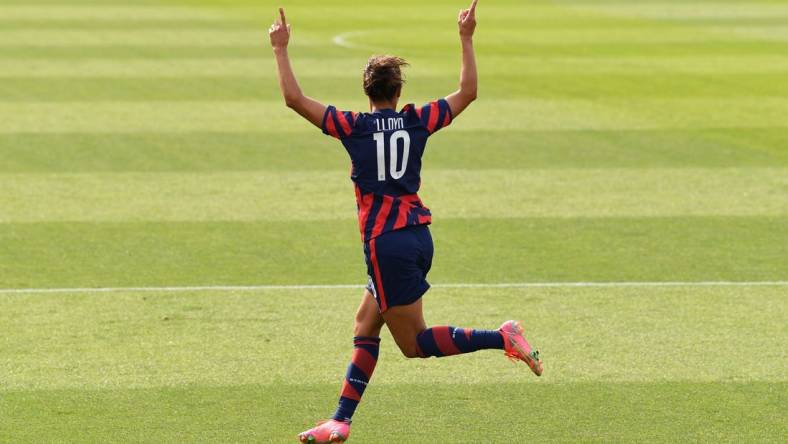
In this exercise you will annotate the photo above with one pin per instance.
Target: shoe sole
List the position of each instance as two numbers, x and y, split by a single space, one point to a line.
310 439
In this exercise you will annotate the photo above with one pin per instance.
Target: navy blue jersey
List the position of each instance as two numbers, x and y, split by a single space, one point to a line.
385 149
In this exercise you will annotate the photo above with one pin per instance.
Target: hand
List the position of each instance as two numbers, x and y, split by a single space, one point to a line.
279 32
467 20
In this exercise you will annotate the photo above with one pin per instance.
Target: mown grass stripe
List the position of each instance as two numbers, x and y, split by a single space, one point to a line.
488 149
138 254
441 37
110 38
694 322
307 151
685 11
528 114
676 411
526 86
55 12
230 20
490 65
603 52
257 195
263 287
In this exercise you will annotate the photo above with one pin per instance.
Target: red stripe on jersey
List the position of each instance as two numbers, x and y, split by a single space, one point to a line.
424 219
403 209
444 341
330 127
364 207
410 198
364 361
378 281
405 206
343 123
433 117
349 392
383 215
446 121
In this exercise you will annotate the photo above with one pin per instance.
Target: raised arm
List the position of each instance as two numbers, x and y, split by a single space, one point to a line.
310 109
460 99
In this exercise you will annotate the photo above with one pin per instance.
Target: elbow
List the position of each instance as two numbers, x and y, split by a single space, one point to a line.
292 100
471 95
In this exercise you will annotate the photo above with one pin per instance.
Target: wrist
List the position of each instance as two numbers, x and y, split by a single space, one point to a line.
280 49
466 39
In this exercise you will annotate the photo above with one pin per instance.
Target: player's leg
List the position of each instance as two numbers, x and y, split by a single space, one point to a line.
415 340
401 261
366 343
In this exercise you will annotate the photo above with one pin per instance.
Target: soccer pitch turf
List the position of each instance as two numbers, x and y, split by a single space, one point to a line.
145 144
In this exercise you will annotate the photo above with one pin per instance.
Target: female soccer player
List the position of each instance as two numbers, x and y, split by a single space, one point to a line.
385 147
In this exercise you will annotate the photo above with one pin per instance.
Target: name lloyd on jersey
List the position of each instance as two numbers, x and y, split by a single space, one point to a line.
390 123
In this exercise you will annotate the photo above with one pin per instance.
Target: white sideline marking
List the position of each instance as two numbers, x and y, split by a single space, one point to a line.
352 286
342 39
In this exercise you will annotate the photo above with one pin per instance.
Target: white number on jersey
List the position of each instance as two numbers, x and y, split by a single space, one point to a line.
395 138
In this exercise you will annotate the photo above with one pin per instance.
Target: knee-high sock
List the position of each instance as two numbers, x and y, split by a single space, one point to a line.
362 364
448 341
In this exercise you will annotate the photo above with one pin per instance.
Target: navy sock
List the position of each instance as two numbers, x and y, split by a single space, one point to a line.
362 364
448 341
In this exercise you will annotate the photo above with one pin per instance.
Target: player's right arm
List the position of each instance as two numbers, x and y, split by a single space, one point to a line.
460 99
309 108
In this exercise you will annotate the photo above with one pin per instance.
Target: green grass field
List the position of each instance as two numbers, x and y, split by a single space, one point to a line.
145 144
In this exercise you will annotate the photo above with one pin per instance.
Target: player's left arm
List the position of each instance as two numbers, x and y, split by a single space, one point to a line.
308 108
460 99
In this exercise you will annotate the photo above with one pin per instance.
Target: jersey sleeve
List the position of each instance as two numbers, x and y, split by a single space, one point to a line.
338 124
435 115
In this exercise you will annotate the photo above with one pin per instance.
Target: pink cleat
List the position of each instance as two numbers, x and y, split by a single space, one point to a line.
517 348
326 432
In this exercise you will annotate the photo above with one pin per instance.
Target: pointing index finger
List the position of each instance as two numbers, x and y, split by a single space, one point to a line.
282 16
473 7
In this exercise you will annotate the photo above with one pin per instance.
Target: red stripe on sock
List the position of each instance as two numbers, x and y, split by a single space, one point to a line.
349 392
364 361
468 332
446 345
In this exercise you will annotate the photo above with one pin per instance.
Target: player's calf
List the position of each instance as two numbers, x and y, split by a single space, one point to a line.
448 341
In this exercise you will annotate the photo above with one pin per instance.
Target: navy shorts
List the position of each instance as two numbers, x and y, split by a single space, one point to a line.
397 265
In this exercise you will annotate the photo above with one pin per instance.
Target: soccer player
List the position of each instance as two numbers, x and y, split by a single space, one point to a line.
385 148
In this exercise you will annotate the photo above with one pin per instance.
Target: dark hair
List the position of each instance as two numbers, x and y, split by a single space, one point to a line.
383 77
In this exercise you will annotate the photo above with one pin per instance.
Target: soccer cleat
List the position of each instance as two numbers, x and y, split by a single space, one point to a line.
326 432
517 348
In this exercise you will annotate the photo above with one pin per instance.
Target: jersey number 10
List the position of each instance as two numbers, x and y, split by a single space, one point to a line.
380 138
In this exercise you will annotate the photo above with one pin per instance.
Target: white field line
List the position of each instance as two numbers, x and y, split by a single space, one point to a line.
174 289
342 39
